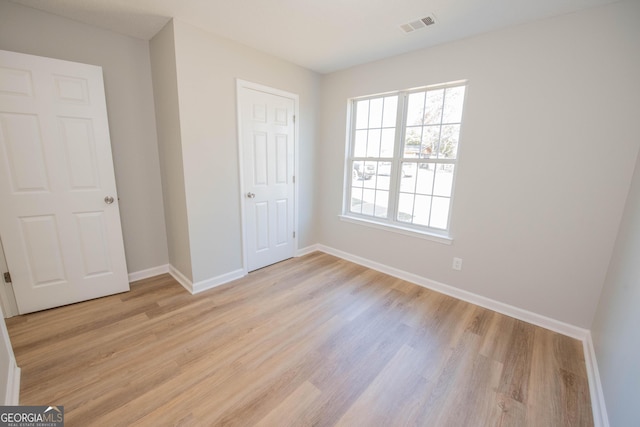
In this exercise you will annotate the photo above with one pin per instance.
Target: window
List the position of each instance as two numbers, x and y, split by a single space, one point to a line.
402 157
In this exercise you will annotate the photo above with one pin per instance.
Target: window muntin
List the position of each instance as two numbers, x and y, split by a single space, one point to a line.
403 151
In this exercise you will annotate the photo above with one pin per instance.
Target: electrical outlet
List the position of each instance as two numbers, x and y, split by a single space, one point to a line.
457 264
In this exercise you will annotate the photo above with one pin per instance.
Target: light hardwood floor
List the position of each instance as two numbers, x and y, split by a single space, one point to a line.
310 341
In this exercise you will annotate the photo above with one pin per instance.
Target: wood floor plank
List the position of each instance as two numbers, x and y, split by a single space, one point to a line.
474 400
311 341
549 377
384 399
293 408
494 344
517 364
512 412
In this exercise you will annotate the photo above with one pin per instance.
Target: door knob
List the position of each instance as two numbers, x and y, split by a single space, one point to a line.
251 195
108 200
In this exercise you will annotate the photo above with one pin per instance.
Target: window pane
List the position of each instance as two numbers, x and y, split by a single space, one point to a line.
424 184
405 207
373 143
382 183
384 169
448 148
415 109
375 113
433 107
412 142
421 210
363 171
369 181
453 99
408 170
355 177
390 111
360 145
356 200
444 180
430 137
439 212
383 177
370 174
408 181
368 200
387 143
362 114
382 204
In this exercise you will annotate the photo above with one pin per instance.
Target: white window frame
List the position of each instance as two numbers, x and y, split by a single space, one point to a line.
390 223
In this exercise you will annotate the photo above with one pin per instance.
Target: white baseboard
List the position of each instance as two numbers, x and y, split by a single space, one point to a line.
149 272
500 307
181 278
308 250
204 285
217 281
12 397
600 418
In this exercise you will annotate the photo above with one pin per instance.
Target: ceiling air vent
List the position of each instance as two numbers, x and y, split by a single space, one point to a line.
418 24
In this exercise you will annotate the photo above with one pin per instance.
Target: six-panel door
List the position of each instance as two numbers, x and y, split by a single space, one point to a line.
62 237
267 131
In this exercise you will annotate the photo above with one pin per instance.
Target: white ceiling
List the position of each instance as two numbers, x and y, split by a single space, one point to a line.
322 35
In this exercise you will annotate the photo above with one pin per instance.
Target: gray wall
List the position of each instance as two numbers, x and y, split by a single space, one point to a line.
548 146
127 77
616 328
207 67
165 88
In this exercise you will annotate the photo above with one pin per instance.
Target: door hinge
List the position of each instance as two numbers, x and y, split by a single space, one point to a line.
7 277
294 118
294 179
294 234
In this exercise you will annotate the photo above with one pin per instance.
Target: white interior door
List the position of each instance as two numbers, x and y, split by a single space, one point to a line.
267 133
59 219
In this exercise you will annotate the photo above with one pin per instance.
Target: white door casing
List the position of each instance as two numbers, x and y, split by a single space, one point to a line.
267 136
59 220
7 298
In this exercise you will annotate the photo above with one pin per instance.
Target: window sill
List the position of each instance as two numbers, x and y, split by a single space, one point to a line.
445 240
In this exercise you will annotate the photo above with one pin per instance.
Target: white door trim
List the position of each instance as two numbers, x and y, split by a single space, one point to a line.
243 84
7 297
